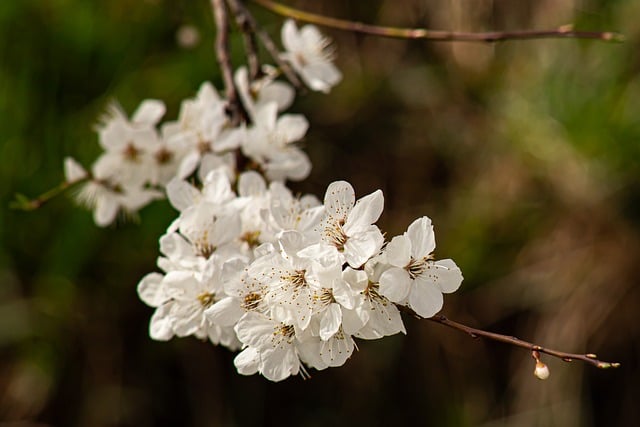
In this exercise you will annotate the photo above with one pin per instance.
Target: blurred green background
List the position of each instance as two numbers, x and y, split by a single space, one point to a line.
525 154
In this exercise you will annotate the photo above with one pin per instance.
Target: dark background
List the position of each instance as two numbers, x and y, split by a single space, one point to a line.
525 155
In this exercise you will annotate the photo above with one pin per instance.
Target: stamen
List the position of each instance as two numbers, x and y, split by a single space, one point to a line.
207 299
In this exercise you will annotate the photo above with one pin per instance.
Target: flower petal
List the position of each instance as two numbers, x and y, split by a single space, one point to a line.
449 275
423 240
425 298
395 284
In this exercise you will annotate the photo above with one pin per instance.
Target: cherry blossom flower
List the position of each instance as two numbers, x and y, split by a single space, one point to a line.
414 278
347 230
309 53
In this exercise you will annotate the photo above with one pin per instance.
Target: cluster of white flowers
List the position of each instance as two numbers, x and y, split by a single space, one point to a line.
290 281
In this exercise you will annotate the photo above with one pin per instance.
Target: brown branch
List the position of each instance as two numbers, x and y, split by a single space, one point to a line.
234 106
239 9
435 35
589 358
249 39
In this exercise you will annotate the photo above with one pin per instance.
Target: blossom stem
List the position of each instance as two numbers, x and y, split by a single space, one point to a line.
565 31
235 109
23 203
239 9
589 358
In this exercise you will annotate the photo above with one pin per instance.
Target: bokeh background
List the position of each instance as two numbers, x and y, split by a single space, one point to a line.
525 154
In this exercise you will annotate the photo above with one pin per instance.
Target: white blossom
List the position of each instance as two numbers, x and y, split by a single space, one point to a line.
310 54
414 278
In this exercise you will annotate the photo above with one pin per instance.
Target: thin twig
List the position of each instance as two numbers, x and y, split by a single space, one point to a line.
589 358
267 42
234 107
23 203
435 35
249 39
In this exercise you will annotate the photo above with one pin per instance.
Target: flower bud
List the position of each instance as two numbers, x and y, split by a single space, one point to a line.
542 371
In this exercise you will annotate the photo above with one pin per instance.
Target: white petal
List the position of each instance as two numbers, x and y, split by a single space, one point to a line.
73 171
337 350
395 284
251 183
330 321
423 240
279 363
160 324
150 290
361 247
181 194
289 35
366 211
425 298
292 127
339 199
217 188
279 92
149 112
106 210
398 251
188 164
449 275
247 361
255 330
175 247
225 312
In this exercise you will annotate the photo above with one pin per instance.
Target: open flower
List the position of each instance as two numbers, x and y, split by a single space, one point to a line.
415 278
308 52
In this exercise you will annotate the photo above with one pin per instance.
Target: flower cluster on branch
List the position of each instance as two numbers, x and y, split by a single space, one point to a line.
288 280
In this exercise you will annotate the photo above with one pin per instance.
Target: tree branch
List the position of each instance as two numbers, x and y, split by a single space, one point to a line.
239 9
234 107
249 39
589 358
435 35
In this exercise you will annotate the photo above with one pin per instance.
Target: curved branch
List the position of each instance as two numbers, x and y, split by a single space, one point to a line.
234 107
563 32
589 358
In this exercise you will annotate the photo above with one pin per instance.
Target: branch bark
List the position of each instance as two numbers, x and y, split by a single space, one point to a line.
563 32
589 358
234 106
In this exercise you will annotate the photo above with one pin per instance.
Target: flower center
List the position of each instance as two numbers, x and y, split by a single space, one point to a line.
163 156
418 266
296 278
372 294
203 247
251 238
335 235
131 153
251 301
283 331
207 299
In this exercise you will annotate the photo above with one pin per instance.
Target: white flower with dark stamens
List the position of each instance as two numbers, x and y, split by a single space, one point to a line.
292 213
244 295
379 316
201 130
129 145
414 278
347 230
310 55
290 281
271 347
